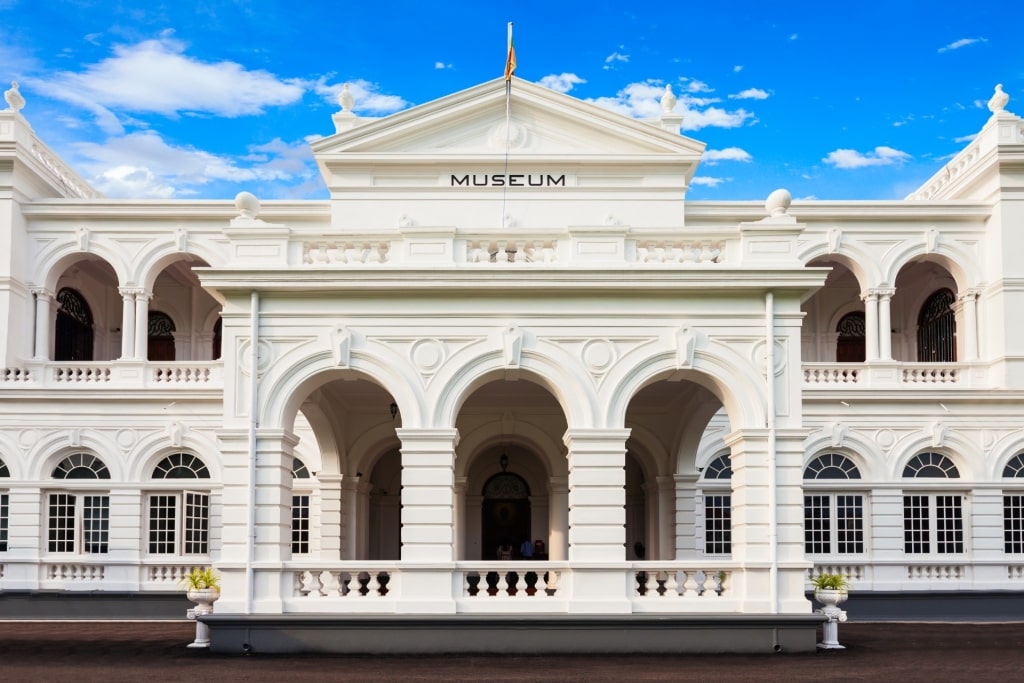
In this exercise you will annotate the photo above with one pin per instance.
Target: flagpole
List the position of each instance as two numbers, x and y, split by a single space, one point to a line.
509 67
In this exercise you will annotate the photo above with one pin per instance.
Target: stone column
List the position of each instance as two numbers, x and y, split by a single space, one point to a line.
350 517
44 315
652 535
870 298
428 519
751 521
127 322
472 513
332 517
460 518
885 324
969 304
142 298
666 518
597 519
558 519
685 516
362 525
275 451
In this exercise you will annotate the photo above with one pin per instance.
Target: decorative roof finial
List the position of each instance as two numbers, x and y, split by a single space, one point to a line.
998 101
668 100
15 101
346 99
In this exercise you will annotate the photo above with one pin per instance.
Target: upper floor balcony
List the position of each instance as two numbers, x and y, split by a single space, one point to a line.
115 375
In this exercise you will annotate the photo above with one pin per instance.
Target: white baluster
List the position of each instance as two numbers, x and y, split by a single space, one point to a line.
690 585
671 585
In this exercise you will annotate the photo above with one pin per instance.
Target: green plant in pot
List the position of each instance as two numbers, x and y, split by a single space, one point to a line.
201 579
829 588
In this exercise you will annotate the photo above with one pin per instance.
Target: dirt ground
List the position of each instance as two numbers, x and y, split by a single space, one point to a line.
155 651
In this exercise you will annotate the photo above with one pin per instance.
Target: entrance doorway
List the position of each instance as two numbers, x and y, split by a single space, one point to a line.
506 515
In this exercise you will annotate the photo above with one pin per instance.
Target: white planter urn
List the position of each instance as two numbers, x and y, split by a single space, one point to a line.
831 598
204 599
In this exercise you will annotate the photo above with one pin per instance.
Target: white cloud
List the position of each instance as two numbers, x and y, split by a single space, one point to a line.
750 94
966 138
794 36
708 181
367 95
738 68
643 100
713 156
851 158
610 60
155 76
143 164
694 85
563 82
963 42
442 65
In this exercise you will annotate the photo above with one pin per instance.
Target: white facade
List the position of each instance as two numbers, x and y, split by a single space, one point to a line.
497 331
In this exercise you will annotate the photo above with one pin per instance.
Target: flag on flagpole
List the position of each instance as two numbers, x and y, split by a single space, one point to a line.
510 61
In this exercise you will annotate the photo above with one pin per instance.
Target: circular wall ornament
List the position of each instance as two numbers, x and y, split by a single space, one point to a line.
758 356
27 438
511 135
427 354
598 354
263 360
885 438
126 438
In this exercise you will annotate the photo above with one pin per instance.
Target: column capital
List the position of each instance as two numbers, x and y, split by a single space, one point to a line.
130 292
42 293
414 437
596 437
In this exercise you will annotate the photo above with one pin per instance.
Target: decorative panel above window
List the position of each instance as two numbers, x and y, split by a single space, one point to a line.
719 468
299 469
1014 467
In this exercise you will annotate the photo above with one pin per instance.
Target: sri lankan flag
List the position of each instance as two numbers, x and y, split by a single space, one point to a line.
510 61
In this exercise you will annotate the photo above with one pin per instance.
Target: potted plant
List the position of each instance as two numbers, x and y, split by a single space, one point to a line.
830 589
202 585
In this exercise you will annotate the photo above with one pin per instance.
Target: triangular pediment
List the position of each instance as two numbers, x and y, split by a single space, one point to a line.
542 123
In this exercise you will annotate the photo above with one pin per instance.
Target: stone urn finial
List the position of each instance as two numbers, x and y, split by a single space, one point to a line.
247 204
346 99
998 101
14 99
778 203
668 100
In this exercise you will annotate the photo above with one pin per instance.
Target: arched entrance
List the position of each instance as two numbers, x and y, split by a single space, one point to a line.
505 520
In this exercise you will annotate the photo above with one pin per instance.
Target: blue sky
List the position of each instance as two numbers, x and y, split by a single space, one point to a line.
203 100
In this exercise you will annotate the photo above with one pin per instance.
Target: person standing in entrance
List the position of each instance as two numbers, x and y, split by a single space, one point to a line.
526 550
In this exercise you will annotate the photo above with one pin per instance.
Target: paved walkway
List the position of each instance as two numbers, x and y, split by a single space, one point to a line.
110 652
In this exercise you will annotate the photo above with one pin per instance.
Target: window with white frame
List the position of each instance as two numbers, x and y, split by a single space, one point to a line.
1013 508
833 519
717 493
300 508
4 508
78 520
933 522
179 519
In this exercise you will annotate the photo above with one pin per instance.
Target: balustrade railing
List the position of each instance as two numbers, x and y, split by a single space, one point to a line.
116 375
517 580
667 582
353 584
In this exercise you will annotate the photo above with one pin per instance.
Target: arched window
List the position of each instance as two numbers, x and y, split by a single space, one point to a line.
933 465
4 503
300 508
79 521
161 337
923 512
81 466
936 329
833 520
1013 507
718 507
179 521
74 330
850 338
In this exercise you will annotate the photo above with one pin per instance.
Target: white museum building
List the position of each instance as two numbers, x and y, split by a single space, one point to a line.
508 371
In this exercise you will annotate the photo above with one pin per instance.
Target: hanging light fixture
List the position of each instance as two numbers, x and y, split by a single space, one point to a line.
394 410
503 461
